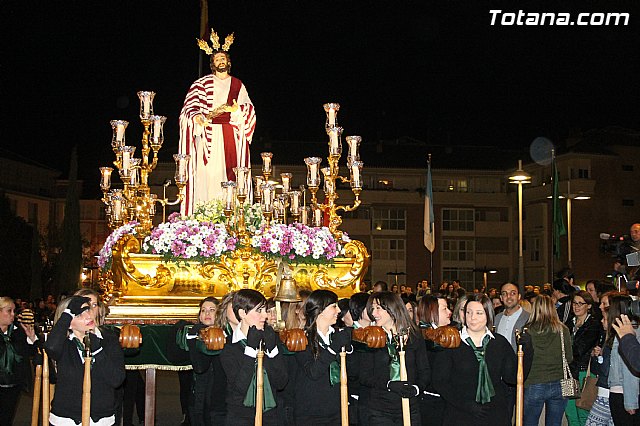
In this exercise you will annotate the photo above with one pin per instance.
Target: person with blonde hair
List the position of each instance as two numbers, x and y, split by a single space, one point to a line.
15 350
542 385
66 345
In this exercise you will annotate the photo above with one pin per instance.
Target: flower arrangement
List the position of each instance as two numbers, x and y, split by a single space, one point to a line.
105 257
298 243
182 240
204 237
213 211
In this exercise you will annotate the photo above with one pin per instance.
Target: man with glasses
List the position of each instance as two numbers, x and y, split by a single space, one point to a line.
513 317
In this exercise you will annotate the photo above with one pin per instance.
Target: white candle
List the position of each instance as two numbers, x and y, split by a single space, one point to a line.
304 215
286 181
119 132
334 141
266 162
295 200
125 159
157 127
356 168
332 117
117 208
317 217
146 106
267 197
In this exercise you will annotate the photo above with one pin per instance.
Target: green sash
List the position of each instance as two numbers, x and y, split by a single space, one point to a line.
334 367
485 390
394 364
268 401
10 356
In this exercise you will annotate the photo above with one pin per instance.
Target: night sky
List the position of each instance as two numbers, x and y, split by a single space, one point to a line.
436 71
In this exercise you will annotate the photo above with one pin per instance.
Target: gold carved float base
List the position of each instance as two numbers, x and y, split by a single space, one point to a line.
142 288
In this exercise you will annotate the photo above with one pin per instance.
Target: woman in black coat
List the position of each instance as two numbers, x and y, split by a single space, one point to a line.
433 312
76 319
207 394
482 354
314 379
238 360
15 349
379 367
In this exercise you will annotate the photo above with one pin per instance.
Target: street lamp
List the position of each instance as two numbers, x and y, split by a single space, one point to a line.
570 197
579 195
520 177
485 271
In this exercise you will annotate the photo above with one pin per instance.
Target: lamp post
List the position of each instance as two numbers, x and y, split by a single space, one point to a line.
485 271
520 177
570 197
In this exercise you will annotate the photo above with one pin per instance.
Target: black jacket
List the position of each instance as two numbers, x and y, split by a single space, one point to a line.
583 341
239 369
21 372
374 374
313 384
455 378
107 373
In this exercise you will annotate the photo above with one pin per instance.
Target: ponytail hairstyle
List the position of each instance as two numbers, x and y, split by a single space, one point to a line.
317 301
221 315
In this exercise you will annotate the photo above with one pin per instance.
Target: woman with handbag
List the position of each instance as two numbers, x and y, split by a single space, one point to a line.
623 384
585 332
551 343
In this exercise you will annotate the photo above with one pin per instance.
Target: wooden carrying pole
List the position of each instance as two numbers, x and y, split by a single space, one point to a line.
259 387
86 385
401 340
406 413
520 388
46 399
344 393
37 387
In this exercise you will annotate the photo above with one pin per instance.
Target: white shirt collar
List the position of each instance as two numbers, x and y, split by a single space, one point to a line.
96 331
238 334
464 334
326 339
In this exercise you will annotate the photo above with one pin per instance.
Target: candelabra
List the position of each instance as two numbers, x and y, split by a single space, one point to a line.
280 203
135 201
331 174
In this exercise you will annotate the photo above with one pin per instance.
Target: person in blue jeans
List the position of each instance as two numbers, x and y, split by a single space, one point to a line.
542 386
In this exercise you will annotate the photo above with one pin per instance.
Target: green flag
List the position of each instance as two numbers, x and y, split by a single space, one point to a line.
558 221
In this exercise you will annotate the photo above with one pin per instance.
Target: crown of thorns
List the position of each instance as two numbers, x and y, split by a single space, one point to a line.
215 43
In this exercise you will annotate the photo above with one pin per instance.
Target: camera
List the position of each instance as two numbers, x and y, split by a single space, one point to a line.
632 310
615 245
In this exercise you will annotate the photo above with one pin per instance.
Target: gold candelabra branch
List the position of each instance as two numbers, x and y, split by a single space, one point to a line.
135 200
331 174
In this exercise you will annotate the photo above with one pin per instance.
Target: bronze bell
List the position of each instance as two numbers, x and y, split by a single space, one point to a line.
287 291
